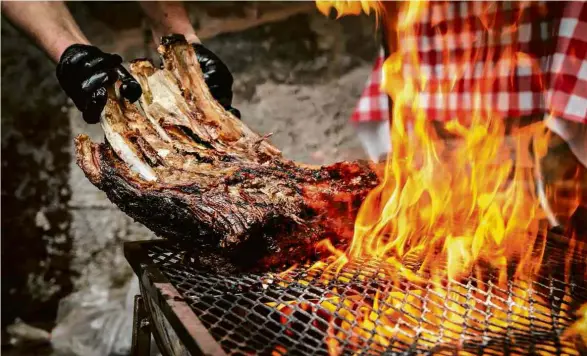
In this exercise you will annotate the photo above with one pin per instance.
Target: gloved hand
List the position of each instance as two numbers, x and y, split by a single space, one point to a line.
217 77
85 71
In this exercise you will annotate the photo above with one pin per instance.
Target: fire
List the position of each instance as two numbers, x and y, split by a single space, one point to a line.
579 328
454 205
348 7
394 316
462 208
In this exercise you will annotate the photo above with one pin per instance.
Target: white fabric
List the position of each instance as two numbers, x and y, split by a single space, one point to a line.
375 138
574 133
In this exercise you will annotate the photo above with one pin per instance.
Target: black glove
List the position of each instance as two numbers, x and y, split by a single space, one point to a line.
85 71
217 77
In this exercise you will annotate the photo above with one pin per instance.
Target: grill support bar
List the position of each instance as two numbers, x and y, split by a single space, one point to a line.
186 325
141 332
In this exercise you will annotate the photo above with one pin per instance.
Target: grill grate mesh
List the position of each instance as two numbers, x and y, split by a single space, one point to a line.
306 311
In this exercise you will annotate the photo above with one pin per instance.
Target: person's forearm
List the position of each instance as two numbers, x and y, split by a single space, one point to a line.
49 24
168 17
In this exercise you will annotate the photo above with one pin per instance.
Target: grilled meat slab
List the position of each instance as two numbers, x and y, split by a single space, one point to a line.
193 173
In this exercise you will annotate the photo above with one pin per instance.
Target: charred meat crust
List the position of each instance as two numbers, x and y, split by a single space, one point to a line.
219 190
86 159
173 39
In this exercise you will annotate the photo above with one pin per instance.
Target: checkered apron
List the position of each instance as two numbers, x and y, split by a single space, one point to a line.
476 35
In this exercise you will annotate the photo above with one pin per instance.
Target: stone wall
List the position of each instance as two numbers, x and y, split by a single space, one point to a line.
297 75
36 220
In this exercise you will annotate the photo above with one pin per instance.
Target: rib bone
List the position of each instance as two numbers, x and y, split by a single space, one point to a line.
193 173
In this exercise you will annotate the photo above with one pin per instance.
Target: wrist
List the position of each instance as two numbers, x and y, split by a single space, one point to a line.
58 49
62 44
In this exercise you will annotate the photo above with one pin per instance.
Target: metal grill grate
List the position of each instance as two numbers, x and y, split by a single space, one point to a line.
306 311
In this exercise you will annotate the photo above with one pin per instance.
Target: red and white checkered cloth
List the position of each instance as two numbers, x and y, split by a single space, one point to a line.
373 104
553 33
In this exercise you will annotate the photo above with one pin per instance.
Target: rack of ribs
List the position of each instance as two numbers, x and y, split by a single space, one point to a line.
190 171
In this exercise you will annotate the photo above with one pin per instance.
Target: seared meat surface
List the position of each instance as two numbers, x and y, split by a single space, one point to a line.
193 173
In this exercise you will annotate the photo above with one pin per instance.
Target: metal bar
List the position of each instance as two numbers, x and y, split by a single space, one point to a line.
190 330
141 334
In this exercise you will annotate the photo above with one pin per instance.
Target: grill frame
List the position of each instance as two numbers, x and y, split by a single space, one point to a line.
167 305
160 293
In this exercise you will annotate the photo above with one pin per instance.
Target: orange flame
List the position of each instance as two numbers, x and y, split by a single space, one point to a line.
462 207
579 328
467 199
348 7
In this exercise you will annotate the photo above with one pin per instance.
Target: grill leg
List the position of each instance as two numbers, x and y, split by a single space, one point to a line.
141 333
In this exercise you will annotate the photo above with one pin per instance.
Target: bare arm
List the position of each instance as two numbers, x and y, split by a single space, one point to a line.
49 24
167 17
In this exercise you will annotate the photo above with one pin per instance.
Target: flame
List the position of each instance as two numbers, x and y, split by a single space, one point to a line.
464 207
392 317
348 7
472 200
579 328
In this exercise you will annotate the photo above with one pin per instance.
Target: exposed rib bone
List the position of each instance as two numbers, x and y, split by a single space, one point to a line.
221 190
